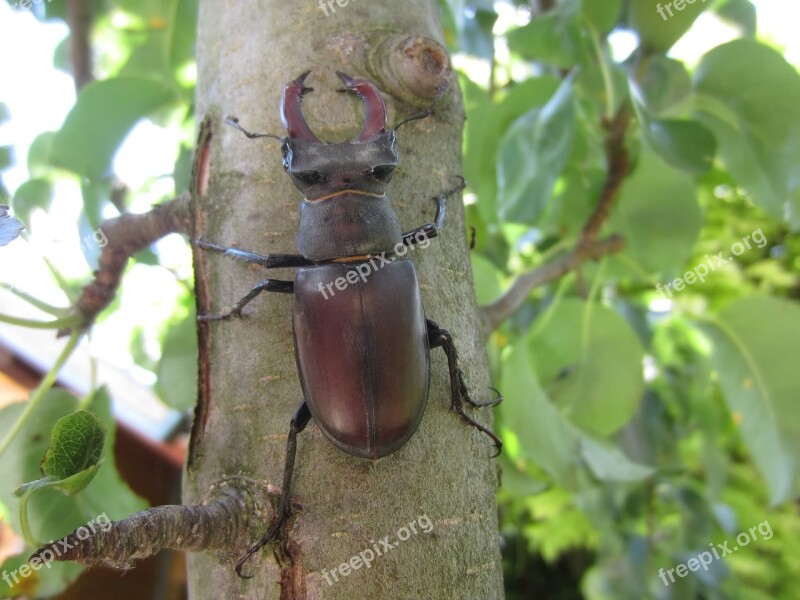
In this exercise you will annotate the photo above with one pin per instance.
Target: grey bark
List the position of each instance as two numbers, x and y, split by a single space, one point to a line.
249 383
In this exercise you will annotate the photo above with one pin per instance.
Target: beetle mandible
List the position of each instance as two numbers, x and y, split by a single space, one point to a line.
362 352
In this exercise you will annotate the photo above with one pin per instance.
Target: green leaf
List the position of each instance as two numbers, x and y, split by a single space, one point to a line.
76 444
659 216
34 193
485 127
589 360
162 37
101 118
39 154
665 83
73 457
177 369
51 513
554 38
6 157
532 155
755 354
601 14
740 12
546 437
685 145
487 278
660 25
756 84
609 464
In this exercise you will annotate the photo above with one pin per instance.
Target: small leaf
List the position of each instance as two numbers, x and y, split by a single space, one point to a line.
53 514
76 445
34 193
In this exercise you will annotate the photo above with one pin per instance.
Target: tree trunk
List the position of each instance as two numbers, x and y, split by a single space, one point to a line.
249 385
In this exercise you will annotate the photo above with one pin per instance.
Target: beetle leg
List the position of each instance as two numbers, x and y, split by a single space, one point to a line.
297 424
268 261
441 338
268 285
431 230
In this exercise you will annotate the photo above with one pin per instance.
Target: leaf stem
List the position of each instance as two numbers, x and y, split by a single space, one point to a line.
47 382
33 301
62 323
24 523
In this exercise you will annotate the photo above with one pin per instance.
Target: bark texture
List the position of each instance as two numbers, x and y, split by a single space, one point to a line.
248 381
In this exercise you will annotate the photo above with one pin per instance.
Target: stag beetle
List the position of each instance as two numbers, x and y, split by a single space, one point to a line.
363 352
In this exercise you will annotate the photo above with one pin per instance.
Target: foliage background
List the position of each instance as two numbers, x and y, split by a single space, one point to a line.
640 426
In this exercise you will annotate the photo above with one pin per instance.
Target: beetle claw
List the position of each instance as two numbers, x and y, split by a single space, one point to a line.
272 534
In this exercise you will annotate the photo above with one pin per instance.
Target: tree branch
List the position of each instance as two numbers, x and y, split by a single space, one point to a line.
79 19
220 525
587 248
126 235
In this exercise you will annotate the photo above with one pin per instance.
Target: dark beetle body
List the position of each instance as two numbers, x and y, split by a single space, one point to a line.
362 351
362 342
363 356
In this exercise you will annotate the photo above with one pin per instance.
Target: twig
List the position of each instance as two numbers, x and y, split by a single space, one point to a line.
128 234
492 315
588 247
218 525
79 19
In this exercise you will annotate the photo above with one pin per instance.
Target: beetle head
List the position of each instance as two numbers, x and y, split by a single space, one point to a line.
319 170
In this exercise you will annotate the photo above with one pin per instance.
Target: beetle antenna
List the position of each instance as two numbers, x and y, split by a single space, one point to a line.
427 112
234 122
